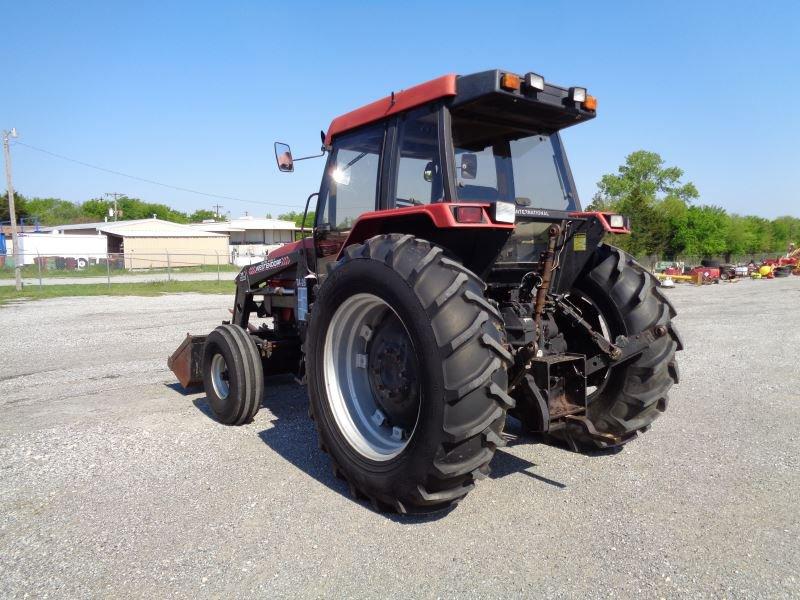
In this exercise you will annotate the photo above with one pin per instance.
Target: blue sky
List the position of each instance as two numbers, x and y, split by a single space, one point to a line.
194 93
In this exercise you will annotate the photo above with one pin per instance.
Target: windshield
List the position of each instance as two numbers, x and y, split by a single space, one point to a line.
498 162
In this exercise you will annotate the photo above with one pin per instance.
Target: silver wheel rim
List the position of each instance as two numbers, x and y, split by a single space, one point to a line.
605 331
219 376
362 415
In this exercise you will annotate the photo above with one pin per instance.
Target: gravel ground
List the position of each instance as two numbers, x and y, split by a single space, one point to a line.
115 484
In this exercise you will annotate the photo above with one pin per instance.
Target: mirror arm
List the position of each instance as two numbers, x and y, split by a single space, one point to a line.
324 151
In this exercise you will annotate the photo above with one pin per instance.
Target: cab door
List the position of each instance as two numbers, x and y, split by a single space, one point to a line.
350 187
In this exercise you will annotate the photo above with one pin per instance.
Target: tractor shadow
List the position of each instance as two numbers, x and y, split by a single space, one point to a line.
504 463
177 387
294 438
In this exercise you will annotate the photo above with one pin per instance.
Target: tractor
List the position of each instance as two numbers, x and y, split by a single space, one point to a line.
450 279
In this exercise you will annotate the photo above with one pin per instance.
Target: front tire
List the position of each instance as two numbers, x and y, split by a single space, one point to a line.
407 374
233 377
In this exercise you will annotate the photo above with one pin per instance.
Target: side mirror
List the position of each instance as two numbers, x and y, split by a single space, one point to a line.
283 155
430 169
469 166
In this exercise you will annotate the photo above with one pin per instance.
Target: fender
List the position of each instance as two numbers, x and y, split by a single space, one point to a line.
437 216
604 218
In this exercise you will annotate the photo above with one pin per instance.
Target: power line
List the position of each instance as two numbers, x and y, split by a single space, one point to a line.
150 181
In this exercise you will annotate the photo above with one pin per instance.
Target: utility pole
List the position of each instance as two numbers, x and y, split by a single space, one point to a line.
115 196
11 210
216 209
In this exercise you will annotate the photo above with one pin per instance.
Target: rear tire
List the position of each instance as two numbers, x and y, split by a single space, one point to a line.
458 374
634 392
233 377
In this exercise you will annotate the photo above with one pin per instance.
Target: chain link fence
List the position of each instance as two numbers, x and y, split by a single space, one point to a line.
119 267
188 266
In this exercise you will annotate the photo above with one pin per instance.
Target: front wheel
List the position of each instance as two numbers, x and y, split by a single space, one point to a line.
233 377
407 374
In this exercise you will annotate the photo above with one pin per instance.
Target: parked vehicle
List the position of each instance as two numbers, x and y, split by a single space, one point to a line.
443 288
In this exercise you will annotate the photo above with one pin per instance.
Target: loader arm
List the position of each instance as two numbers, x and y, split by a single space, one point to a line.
275 280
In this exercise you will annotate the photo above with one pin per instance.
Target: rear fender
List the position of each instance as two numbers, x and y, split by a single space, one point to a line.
474 244
604 219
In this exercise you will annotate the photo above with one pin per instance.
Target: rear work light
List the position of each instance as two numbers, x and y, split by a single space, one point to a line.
534 82
616 221
577 94
469 214
505 212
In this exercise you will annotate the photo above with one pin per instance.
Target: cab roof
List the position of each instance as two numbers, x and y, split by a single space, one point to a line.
441 87
482 94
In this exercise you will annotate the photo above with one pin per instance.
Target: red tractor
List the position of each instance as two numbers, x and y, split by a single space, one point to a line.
451 279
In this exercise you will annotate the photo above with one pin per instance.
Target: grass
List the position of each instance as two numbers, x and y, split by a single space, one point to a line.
152 288
32 271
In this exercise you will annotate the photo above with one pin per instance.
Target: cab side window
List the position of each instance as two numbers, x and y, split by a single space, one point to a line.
351 186
419 175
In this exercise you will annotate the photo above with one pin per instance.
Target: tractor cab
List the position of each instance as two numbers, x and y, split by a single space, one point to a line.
485 145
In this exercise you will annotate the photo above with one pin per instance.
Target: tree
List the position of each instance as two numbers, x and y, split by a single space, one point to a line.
131 208
20 208
785 231
54 211
297 217
707 231
201 214
641 189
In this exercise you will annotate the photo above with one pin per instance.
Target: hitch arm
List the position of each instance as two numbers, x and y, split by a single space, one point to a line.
627 347
623 348
605 346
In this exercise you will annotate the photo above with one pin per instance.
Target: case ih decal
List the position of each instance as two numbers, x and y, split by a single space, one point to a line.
268 265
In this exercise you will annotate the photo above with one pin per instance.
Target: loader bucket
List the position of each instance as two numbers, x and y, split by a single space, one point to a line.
187 361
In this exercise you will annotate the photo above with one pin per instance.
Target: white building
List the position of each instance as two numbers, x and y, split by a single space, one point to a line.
251 238
146 243
85 249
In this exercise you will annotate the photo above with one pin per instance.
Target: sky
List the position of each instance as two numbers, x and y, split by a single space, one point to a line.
193 94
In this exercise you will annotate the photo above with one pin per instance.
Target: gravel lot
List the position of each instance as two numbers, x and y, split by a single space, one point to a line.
115 484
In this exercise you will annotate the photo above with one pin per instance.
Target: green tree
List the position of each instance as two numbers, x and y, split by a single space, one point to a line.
297 217
201 215
740 238
20 207
640 190
707 231
131 208
785 231
54 211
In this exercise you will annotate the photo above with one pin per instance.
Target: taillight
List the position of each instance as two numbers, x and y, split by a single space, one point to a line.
469 214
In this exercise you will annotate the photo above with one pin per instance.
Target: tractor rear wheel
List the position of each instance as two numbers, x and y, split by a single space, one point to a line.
407 374
620 297
232 375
